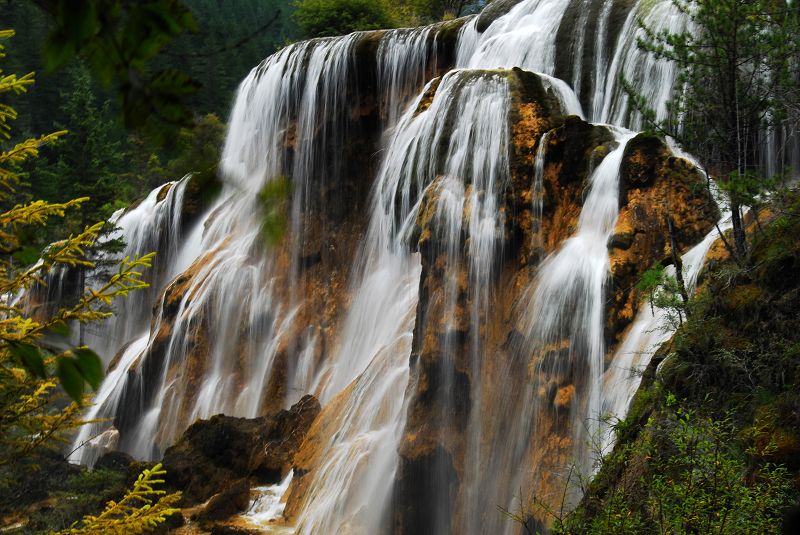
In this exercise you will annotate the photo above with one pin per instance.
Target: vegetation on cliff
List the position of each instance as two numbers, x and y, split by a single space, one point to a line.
324 18
736 92
711 443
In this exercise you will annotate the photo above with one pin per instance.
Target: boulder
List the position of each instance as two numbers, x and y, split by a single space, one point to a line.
232 499
213 452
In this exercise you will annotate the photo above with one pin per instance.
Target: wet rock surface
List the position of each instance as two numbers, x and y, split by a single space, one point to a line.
232 499
494 11
433 459
213 452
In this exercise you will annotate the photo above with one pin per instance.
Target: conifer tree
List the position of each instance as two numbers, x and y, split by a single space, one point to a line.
735 60
29 362
35 353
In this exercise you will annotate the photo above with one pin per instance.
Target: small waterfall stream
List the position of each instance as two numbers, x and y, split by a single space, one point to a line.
567 302
431 112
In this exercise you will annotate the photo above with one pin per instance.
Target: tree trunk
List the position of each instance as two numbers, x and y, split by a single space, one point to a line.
739 237
678 263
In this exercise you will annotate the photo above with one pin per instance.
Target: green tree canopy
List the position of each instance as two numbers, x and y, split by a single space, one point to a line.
737 64
322 18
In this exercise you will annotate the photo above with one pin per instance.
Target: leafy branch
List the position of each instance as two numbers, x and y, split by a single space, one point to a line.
143 508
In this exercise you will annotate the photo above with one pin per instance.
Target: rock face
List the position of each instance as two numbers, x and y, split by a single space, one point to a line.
463 377
745 315
494 11
655 187
212 453
233 498
454 391
474 377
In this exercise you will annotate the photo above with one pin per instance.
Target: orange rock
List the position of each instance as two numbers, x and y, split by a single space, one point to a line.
564 397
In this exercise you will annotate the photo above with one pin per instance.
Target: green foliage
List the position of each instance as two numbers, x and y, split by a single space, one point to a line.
651 281
82 366
28 419
199 149
700 485
737 78
322 18
694 480
83 493
427 11
232 38
142 508
87 161
118 40
664 291
33 414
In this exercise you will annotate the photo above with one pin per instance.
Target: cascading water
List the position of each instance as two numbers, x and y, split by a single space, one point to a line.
528 37
229 286
234 330
648 332
568 299
154 225
465 169
403 57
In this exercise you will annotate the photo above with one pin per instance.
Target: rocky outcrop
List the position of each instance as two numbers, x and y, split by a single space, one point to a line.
212 453
232 499
312 448
656 190
429 487
433 459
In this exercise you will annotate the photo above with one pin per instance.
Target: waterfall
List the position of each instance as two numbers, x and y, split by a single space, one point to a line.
153 225
87 450
227 284
396 274
421 160
648 332
403 57
568 298
527 36
565 302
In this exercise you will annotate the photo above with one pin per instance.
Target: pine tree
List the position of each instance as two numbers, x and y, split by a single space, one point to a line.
30 417
88 161
28 362
736 61
141 510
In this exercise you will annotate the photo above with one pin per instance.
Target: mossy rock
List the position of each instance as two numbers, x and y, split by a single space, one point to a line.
201 191
494 11
640 161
